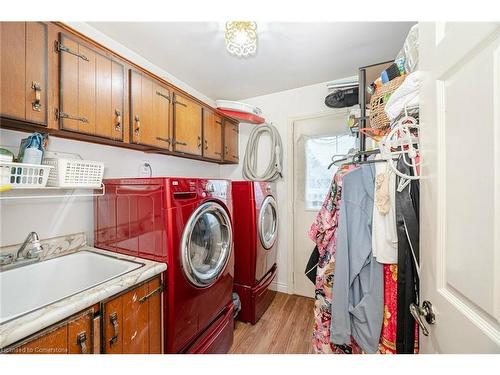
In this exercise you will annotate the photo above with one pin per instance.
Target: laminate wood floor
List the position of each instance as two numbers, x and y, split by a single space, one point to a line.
285 328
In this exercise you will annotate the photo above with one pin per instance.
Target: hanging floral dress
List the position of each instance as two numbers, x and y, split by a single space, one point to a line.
323 233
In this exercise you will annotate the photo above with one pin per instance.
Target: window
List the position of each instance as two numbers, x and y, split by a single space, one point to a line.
319 152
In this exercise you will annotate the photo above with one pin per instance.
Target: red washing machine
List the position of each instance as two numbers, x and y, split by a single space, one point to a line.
186 223
255 219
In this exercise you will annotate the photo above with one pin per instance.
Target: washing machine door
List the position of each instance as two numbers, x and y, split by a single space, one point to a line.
268 222
206 244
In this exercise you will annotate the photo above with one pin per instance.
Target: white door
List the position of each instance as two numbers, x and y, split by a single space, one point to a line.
316 140
460 189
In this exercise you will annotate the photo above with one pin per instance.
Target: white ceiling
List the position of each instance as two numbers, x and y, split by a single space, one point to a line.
289 55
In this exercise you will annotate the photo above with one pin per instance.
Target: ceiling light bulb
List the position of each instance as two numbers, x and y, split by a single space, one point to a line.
241 38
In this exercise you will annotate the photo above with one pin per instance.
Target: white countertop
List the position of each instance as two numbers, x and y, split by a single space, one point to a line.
25 325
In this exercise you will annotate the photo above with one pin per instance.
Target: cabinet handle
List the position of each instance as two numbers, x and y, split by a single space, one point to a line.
164 139
113 318
81 340
218 122
206 144
163 95
37 105
149 295
118 124
137 124
199 142
64 115
226 149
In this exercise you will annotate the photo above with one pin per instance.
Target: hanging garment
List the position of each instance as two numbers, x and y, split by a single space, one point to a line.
322 232
389 326
407 222
384 234
312 266
359 281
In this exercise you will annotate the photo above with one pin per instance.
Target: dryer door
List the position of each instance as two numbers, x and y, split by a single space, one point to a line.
268 222
206 244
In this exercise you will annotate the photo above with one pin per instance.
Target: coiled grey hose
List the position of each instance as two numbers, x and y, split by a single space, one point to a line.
275 166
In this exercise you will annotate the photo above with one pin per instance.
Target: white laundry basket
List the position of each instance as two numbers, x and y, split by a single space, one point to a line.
73 172
23 175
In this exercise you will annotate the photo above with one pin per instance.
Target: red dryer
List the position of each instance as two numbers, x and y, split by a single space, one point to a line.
186 223
255 219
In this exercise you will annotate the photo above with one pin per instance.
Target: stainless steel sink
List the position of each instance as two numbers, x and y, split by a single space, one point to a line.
29 288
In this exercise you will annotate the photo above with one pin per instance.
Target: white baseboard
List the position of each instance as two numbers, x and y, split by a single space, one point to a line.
278 286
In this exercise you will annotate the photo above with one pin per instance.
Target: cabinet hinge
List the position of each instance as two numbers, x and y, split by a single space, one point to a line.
177 102
62 48
163 95
64 115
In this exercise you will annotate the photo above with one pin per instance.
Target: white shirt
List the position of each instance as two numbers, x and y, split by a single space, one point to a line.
384 235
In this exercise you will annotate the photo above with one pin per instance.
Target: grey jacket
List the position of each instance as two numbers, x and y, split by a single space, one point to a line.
358 286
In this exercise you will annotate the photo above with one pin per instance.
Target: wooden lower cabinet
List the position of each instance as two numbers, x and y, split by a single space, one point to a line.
132 321
129 323
71 336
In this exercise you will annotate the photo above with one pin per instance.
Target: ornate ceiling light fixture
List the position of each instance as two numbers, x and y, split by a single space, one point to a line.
241 38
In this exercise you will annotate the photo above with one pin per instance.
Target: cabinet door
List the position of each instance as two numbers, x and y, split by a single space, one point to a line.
80 335
231 140
155 316
71 336
52 342
150 111
23 72
135 321
91 90
187 125
212 135
113 326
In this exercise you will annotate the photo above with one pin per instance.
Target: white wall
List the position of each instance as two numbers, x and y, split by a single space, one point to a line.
280 109
54 217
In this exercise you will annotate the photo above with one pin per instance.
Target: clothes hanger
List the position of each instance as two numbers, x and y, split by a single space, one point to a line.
401 142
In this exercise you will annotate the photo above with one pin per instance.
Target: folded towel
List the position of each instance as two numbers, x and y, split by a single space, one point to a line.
406 94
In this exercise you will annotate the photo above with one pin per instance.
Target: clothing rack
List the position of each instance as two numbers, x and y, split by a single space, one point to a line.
367 74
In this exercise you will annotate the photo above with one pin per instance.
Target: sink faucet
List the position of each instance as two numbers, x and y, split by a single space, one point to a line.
35 249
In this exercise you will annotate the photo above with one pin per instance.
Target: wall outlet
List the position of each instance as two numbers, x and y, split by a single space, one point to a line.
145 169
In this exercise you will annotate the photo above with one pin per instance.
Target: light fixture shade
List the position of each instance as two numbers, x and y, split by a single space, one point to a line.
241 38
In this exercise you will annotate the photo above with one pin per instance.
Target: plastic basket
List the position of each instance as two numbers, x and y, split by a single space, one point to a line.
22 175
74 173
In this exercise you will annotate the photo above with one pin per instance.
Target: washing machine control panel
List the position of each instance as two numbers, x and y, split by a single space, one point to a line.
216 189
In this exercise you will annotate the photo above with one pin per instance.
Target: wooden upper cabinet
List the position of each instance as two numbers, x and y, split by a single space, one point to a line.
23 71
212 135
149 111
91 97
231 142
133 320
187 125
